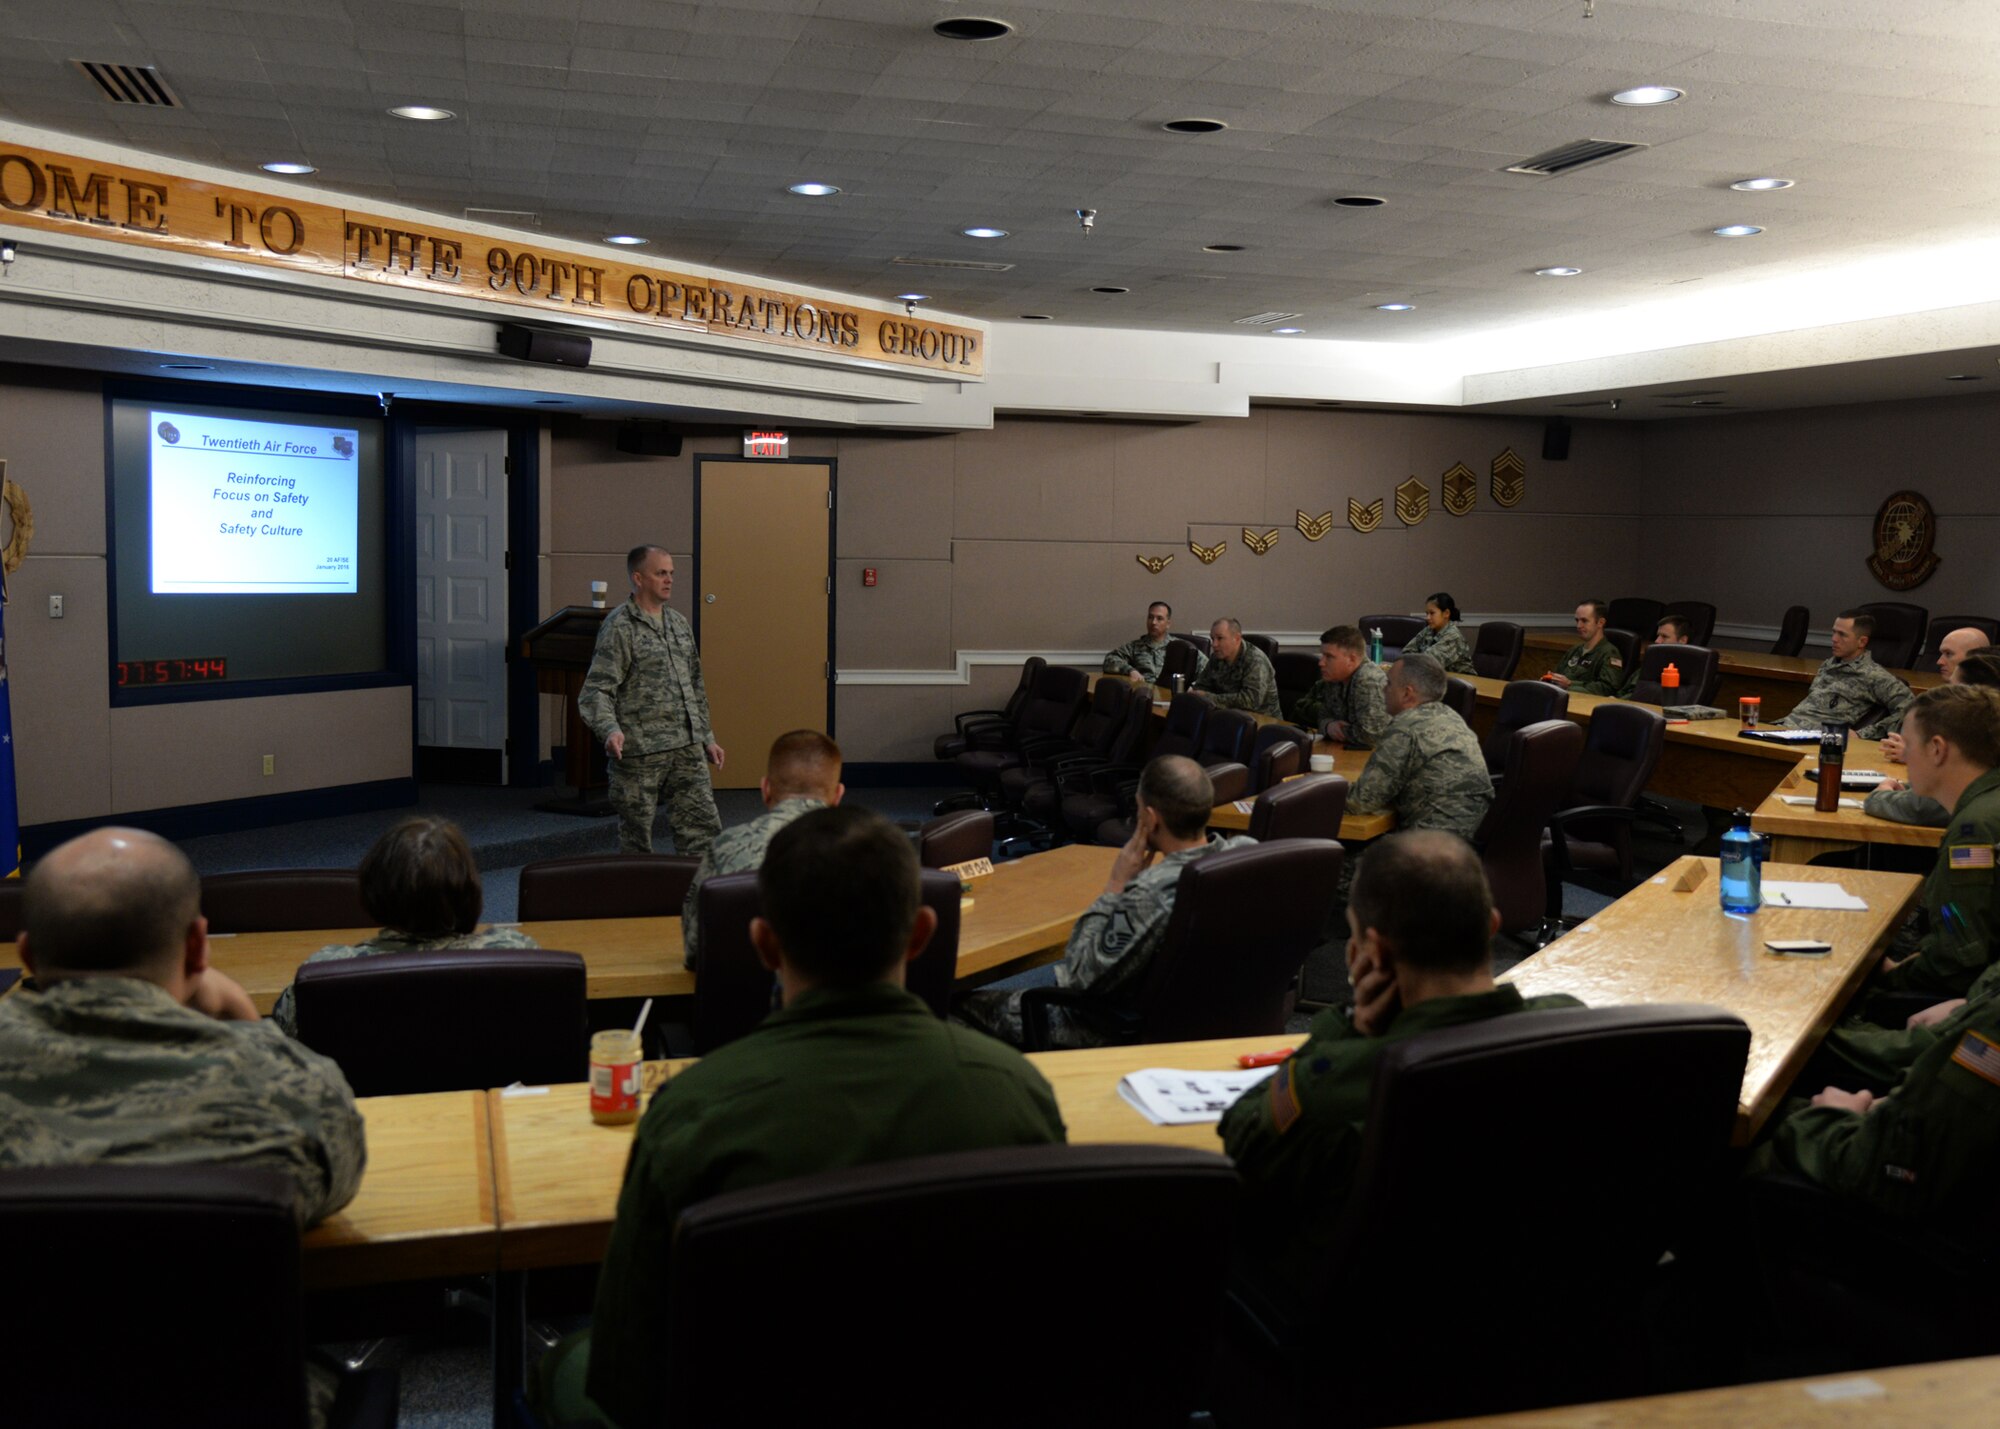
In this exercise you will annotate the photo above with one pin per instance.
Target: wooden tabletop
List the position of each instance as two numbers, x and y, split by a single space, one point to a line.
1897 1397
426 1204
1655 945
558 1173
1799 832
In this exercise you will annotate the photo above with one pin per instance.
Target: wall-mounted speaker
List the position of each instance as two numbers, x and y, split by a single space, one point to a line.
1555 440
534 344
649 439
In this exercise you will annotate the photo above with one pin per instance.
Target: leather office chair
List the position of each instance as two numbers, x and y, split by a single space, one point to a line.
950 746
1627 643
955 838
1297 674
1277 752
281 900
1397 631
1216 972
1792 631
1200 641
734 991
1307 808
1267 643
161 1294
10 909
1591 834
1700 671
1111 788
1700 616
1496 651
624 885
1899 630
1636 614
1181 658
1093 734
1943 625
1461 695
1540 768
860 1255
1226 741
1043 801
1522 703
1048 714
447 1020
1489 1113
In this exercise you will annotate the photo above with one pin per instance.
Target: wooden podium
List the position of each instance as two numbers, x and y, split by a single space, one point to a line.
560 649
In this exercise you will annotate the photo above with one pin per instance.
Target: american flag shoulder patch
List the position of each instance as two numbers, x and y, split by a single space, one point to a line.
1285 1106
1970 856
1979 1056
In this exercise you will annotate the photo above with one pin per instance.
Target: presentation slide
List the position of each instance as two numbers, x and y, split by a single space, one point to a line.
244 507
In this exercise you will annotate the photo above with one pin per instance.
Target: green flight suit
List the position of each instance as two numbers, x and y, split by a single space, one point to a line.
840 1077
1362 699
1246 683
1296 1138
1446 646
1906 806
1931 1150
1593 672
1964 877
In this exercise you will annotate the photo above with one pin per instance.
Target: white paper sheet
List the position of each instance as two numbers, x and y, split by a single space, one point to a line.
1779 894
1171 1098
1806 801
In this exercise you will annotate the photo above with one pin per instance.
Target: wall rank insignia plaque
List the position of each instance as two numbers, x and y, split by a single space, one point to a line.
1364 518
1510 479
1155 564
1905 531
1413 502
1207 555
1461 489
1259 544
1313 527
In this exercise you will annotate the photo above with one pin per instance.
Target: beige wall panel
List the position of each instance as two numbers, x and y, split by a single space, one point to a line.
897 723
52 438
604 500
1319 459
58 685
571 572
902 624
199 753
1036 481
1601 475
1016 595
1195 473
895 497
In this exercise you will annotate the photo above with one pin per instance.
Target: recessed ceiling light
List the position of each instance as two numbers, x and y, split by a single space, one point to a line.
1965 377
1326 404
187 367
1222 248
1758 186
913 297
421 111
1360 201
1739 230
971 27
1395 307
626 240
1287 331
1557 272
813 190
288 167
984 232
1194 126
1109 289
549 402
1036 318
1648 94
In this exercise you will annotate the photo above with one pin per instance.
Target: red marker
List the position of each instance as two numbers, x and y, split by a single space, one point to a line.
1263 1059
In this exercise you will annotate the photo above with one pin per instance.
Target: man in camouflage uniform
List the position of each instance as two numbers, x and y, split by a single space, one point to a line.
1142 660
1850 688
1240 676
1420 924
127 1046
1593 666
1348 702
1952 652
644 700
1112 944
802 774
1428 767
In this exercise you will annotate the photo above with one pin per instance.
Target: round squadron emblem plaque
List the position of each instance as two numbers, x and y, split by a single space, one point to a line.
1905 531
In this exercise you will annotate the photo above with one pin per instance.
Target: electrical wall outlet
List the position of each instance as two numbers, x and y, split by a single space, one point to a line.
270 764
55 607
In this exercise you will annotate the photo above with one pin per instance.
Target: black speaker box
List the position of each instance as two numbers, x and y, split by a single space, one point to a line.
649 439
534 344
1555 441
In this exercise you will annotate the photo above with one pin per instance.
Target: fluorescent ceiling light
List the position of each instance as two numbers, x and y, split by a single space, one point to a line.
813 190
421 111
1557 272
625 240
288 167
1647 94
984 232
1758 186
1739 230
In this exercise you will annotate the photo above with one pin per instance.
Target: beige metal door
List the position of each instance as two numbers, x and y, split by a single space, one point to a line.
762 565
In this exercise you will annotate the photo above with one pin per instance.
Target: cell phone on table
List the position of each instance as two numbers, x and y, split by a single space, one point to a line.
1799 947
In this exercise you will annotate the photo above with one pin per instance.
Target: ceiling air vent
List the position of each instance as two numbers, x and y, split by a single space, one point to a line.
962 265
1568 158
130 84
1267 319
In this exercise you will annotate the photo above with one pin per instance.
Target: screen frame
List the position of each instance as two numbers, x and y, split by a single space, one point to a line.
399 548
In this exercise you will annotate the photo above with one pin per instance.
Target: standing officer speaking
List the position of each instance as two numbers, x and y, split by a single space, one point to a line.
643 698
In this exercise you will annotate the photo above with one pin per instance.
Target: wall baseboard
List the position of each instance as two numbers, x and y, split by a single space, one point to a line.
187 821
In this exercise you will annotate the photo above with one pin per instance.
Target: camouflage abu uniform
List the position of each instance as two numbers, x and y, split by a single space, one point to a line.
1430 769
1142 657
1109 949
1246 683
114 1069
1361 699
737 850
645 680
1446 646
1857 693
1593 672
285 1014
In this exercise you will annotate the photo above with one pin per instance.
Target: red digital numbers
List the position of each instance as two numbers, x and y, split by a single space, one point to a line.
171 672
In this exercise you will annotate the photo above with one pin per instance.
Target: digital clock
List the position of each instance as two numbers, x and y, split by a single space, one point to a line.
135 673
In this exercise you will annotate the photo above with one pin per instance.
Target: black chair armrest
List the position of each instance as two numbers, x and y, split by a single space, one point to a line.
1231 781
1036 1002
980 716
991 736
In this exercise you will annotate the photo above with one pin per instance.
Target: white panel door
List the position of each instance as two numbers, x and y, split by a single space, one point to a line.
461 596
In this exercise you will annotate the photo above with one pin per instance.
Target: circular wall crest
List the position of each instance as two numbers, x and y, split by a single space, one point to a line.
1905 531
20 527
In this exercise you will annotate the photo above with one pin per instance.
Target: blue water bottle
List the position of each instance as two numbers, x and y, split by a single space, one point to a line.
1742 852
1375 646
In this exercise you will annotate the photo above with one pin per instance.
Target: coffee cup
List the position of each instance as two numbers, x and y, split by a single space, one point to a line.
1322 764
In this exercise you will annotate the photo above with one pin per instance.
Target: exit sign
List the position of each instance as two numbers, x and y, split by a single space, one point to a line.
765 444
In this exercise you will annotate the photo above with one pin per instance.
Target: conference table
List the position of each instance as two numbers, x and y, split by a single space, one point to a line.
1800 833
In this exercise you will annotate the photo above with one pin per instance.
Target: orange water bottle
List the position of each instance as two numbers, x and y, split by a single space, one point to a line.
1670 678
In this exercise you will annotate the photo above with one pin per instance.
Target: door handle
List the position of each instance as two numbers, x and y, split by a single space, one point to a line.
710 600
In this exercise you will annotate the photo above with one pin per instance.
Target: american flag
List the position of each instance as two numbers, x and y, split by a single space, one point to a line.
1972 856
1980 1056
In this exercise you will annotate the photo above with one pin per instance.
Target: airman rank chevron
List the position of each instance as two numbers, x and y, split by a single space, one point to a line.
1313 527
1970 856
1259 544
1461 489
1978 1055
1364 518
1207 555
